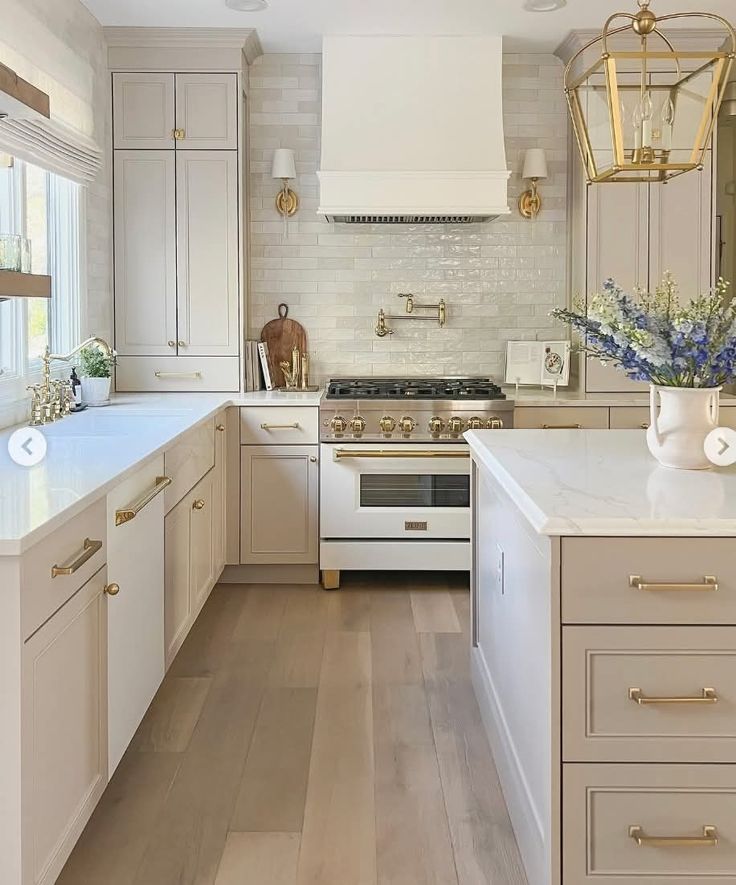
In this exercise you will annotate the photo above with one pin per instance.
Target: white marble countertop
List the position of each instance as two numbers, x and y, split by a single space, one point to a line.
534 397
90 452
604 482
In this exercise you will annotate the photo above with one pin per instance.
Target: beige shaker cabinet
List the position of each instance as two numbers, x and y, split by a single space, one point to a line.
207 112
143 111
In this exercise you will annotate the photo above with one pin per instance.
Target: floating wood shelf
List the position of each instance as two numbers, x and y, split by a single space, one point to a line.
24 285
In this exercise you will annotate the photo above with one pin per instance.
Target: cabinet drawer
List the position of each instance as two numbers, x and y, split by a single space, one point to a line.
561 417
629 418
187 461
279 425
79 546
601 803
643 694
600 581
184 373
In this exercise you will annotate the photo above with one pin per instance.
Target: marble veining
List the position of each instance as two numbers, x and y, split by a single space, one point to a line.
90 452
593 482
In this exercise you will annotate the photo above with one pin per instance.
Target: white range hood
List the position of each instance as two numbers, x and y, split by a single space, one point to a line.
412 130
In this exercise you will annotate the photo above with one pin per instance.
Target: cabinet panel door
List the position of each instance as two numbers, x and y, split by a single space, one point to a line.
64 726
145 253
135 615
681 231
618 231
143 111
219 496
207 250
177 577
207 111
202 509
279 504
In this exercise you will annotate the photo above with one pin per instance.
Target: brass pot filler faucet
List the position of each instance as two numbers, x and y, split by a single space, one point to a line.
441 318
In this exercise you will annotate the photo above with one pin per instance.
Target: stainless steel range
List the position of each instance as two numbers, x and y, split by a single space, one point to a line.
395 471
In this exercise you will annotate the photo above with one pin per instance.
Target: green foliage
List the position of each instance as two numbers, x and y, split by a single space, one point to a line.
94 363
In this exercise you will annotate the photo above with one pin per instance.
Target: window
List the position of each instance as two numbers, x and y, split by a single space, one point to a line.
45 208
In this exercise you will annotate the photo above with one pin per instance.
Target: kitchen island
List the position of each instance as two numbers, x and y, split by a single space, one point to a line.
604 654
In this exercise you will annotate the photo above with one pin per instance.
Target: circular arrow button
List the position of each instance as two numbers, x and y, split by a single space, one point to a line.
27 446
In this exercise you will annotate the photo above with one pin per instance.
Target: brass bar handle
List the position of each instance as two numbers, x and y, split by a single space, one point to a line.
339 454
710 582
562 427
125 514
295 426
195 375
198 504
89 548
709 839
708 696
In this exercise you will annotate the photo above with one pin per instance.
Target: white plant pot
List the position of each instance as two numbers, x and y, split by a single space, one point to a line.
678 429
95 390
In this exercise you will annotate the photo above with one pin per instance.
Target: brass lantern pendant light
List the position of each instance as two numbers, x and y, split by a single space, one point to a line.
642 110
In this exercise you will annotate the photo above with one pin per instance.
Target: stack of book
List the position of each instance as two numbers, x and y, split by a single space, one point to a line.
257 374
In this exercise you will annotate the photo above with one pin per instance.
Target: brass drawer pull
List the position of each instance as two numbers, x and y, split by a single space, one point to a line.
89 548
562 426
709 839
295 426
220 427
339 454
198 504
112 589
709 583
195 375
125 514
708 696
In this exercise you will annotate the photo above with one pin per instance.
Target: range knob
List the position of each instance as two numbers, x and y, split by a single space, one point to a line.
475 423
338 424
495 423
387 424
407 424
455 424
436 424
357 424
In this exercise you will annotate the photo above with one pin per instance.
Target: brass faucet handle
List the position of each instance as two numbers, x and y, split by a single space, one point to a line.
409 301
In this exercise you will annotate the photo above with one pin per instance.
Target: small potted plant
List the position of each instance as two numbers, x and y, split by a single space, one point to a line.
96 368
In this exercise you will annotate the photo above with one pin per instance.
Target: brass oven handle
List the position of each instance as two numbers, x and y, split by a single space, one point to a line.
125 514
562 426
338 454
709 583
708 696
195 375
295 426
709 839
89 548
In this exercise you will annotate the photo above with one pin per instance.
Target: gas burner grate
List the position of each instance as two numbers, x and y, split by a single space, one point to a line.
414 388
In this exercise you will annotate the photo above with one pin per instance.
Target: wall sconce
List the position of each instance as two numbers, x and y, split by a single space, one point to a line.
287 202
535 169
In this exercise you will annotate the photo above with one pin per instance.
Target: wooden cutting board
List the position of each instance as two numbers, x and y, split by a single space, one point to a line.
282 336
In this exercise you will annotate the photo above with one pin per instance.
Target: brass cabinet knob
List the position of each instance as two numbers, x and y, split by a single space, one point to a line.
220 427
357 424
455 424
171 343
495 423
179 134
112 589
387 424
407 424
436 424
475 423
313 459
338 424
198 504
182 343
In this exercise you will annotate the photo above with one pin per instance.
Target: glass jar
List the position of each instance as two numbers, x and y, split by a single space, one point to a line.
10 252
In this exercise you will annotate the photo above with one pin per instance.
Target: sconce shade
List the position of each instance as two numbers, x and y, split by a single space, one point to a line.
283 164
535 164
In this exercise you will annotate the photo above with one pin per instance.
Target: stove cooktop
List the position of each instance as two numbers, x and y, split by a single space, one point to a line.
414 388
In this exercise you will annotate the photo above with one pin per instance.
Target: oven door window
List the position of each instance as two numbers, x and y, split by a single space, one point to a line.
414 490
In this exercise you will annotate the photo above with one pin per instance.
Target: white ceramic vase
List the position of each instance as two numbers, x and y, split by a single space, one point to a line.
677 430
95 391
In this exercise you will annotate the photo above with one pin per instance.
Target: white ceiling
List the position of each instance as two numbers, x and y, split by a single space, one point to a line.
298 25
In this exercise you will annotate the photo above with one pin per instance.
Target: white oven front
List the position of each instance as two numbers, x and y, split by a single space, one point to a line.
412 491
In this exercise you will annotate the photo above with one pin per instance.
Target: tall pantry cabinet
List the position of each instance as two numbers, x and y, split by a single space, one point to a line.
176 217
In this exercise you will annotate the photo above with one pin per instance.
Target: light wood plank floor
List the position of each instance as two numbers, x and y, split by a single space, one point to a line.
311 738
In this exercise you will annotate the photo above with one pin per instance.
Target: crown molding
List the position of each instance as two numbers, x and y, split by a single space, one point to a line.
184 48
692 39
